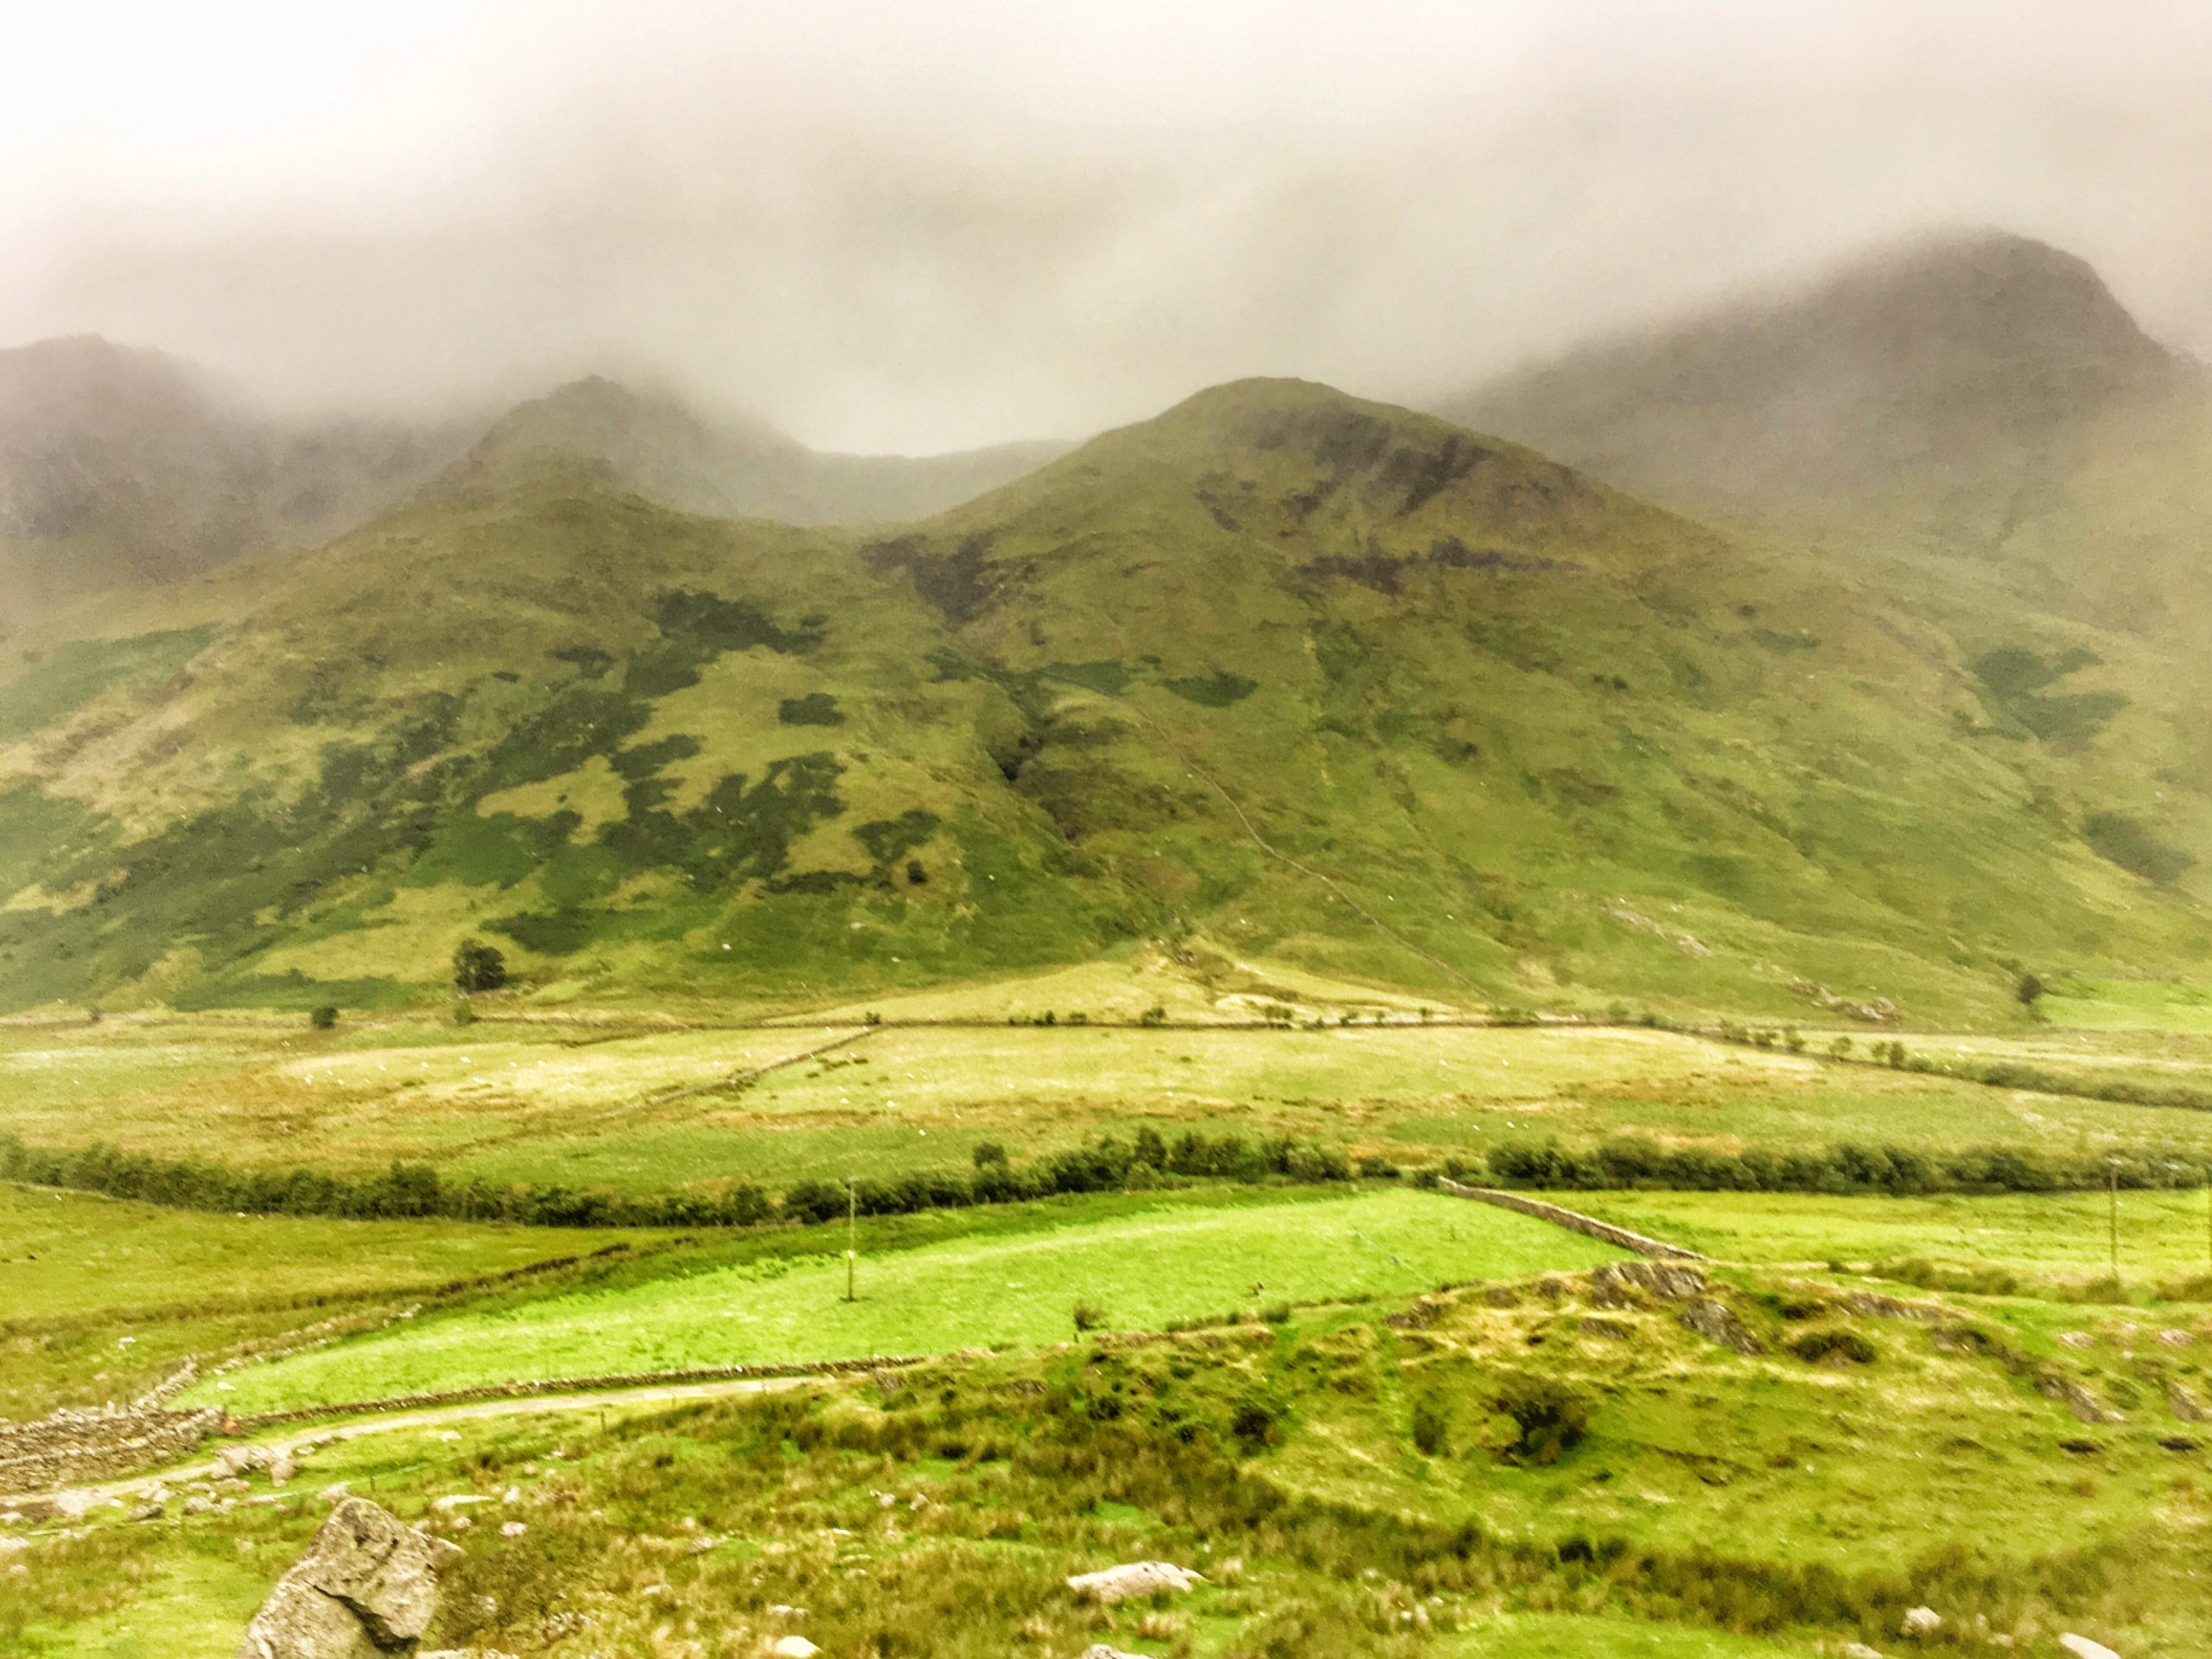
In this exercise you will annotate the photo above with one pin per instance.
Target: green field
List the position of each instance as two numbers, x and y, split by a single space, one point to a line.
100 1299
2063 1237
1347 1486
1142 1271
550 1104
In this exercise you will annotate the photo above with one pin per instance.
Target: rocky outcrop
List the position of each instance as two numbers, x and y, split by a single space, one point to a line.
1136 1579
367 1587
2081 1647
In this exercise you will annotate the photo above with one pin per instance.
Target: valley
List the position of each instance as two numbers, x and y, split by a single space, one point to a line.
787 1046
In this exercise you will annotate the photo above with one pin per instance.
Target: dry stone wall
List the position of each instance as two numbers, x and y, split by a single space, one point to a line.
1572 1220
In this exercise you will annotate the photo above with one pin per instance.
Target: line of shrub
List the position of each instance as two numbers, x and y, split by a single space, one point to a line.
1892 1053
416 1190
1846 1168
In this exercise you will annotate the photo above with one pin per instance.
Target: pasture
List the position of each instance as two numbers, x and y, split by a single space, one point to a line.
1141 1269
641 1112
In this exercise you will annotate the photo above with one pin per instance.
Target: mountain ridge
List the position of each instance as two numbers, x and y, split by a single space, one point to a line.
1310 678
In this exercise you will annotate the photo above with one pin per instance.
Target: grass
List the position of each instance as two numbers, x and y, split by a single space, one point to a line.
2061 1236
100 1299
1746 1507
1145 1270
585 1107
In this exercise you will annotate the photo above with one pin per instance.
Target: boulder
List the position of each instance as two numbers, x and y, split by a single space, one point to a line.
1716 1322
1127 1583
366 1586
1919 1622
792 1647
2081 1647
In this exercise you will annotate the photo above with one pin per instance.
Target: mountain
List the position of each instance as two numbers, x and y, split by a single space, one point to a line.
1278 675
1922 388
121 466
736 468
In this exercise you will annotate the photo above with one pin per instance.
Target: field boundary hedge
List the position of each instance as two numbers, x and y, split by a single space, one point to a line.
404 1191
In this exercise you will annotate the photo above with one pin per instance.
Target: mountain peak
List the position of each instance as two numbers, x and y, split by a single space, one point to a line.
1921 360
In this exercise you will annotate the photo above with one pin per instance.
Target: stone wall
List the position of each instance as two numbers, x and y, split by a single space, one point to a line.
72 1447
581 1385
1574 1221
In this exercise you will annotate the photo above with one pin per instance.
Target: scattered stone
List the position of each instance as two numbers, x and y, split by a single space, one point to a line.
335 1492
197 1504
282 1469
1715 1322
2172 1338
792 1647
1100 1650
2081 1647
366 1586
454 1500
513 1529
1860 1651
1920 1623
1116 1584
2184 1405
2077 1400
2078 1339
1626 1284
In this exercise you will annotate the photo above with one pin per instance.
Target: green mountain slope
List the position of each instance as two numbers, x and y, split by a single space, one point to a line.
736 469
1280 674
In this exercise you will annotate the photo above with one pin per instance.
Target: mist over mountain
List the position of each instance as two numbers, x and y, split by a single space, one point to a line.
1955 355
738 467
122 466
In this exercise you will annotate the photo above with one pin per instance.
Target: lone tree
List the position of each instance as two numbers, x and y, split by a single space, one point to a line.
478 967
2029 990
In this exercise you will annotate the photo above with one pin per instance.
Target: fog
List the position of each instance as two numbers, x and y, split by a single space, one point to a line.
922 226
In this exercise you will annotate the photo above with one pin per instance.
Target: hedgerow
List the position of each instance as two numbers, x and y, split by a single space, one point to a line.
407 1189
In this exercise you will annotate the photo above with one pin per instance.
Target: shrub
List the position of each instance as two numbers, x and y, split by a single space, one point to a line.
478 967
1255 1426
1432 1430
1155 1015
1377 1167
1549 1417
324 1018
463 1014
1832 1342
987 1153
1088 1316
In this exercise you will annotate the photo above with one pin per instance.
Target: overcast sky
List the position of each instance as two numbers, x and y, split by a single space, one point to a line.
920 226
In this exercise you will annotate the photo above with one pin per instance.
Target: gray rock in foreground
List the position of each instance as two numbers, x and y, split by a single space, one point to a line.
366 1587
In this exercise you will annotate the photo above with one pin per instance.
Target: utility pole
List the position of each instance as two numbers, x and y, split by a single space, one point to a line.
852 1233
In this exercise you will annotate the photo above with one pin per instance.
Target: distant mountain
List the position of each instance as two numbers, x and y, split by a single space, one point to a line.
1279 672
736 468
1924 379
122 466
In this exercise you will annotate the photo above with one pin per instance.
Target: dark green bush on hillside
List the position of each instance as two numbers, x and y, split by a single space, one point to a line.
1549 1416
478 967
324 1018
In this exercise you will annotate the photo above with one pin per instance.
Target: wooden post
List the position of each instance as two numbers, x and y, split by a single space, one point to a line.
852 1228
